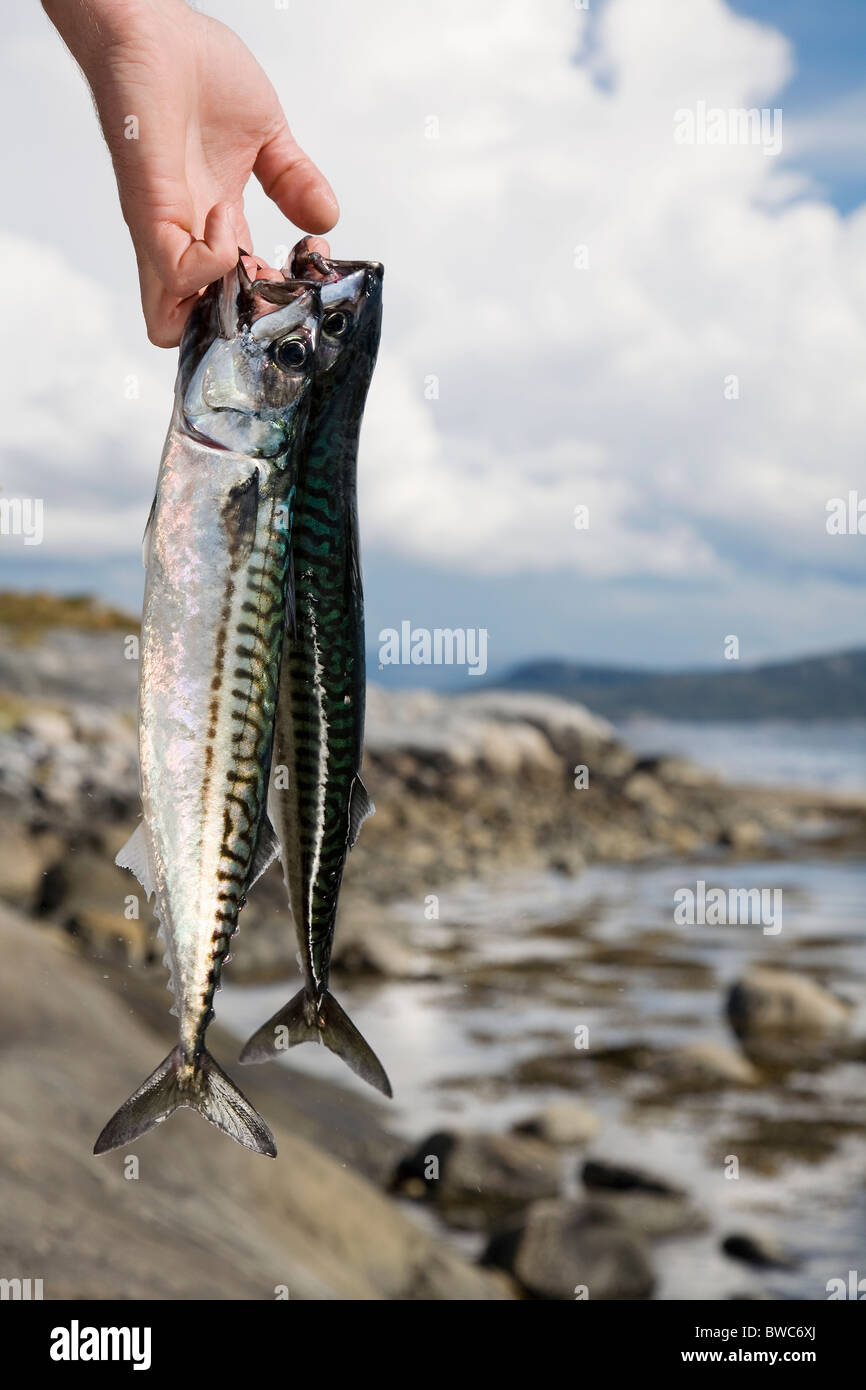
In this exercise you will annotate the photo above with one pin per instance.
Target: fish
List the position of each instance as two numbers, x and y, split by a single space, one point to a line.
217 556
318 807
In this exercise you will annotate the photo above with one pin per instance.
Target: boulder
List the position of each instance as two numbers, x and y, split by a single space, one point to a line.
477 1179
200 1217
705 1066
758 1248
566 1250
777 1003
599 1175
653 1215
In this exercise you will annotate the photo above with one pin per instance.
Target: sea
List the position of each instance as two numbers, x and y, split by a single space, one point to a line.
521 963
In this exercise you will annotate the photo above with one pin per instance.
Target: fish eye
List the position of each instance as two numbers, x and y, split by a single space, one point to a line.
290 354
335 324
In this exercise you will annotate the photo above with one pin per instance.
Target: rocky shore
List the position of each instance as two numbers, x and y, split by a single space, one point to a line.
542 1198
465 788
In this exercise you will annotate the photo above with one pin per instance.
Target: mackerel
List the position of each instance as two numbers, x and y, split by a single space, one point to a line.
319 804
216 550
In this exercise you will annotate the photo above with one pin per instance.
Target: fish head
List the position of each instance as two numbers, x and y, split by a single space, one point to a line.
247 362
351 294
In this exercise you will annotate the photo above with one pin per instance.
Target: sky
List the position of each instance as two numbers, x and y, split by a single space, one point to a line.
583 310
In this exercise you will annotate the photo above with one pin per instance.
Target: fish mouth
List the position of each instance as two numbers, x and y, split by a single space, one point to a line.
243 301
306 264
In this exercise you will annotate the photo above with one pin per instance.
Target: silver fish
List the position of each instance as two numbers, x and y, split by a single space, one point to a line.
217 557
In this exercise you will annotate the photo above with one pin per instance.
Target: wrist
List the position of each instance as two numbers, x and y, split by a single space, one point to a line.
87 27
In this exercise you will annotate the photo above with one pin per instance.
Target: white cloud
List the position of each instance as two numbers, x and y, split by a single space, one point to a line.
558 386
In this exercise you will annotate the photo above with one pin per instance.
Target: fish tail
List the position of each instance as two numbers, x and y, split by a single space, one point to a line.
202 1086
302 1021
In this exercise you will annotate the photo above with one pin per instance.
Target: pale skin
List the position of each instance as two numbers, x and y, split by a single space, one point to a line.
206 119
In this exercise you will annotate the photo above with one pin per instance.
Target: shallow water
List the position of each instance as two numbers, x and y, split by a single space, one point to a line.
520 965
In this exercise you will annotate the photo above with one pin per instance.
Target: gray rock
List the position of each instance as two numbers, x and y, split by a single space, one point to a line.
599 1175
207 1220
778 1003
705 1066
476 1180
562 1123
758 1248
566 1250
653 1215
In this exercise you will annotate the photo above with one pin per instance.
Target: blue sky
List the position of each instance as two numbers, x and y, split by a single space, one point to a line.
558 386
830 46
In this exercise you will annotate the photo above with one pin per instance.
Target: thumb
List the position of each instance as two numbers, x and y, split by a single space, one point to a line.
291 179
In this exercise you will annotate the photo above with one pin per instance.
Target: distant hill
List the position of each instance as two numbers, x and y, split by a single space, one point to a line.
821 687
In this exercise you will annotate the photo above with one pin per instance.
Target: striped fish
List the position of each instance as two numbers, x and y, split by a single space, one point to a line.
319 806
217 550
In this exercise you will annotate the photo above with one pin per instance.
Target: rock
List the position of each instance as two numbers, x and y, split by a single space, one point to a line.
23 861
47 726
705 1066
562 1123
105 906
744 836
478 1179
778 1003
568 727
562 1250
649 793
758 1248
597 1174
677 772
653 1215
208 1220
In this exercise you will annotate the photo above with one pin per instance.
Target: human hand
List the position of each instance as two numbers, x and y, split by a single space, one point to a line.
205 117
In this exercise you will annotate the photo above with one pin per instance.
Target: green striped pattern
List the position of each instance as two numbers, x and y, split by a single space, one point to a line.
320 722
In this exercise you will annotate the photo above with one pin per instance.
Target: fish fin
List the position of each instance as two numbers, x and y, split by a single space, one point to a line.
240 518
329 1024
135 857
267 850
361 808
342 1037
173 1085
146 538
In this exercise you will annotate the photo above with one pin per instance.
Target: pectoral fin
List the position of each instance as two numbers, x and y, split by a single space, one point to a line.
135 857
267 850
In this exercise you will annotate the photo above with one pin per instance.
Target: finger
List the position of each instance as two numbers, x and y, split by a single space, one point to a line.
186 264
165 315
291 179
316 246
